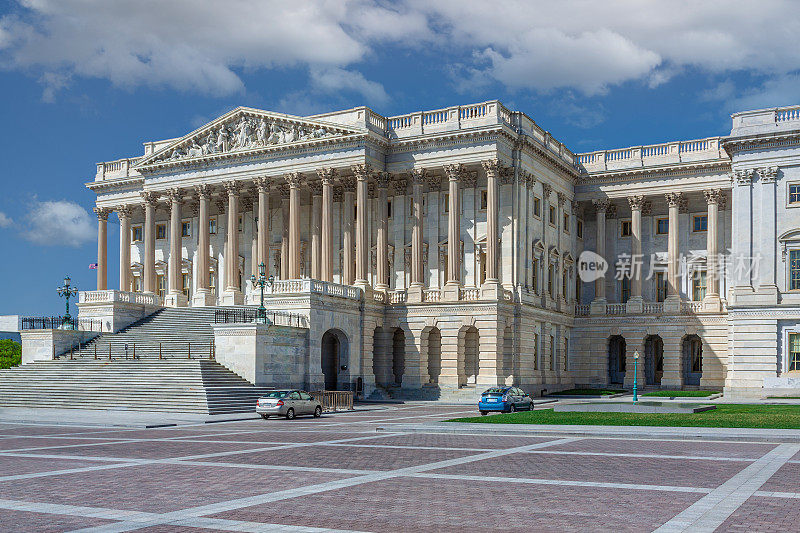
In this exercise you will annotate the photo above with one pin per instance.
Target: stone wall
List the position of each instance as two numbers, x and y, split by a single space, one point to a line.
46 344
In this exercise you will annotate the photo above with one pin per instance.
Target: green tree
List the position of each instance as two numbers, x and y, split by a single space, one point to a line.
10 353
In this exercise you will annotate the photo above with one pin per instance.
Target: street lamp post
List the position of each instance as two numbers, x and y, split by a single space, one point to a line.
635 364
262 281
67 292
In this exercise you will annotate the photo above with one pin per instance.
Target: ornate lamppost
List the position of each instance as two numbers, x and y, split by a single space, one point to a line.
262 281
635 363
67 292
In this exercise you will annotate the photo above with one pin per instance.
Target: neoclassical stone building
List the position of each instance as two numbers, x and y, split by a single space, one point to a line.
441 248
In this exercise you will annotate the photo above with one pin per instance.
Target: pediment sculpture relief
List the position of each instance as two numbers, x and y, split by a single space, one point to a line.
245 133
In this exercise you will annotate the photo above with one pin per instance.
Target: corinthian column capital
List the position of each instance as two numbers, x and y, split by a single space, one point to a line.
602 205
636 202
674 199
712 196
293 179
102 213
326 175
263 183
454 172
149 197
362 171
203 191
418 176
491 167
232 187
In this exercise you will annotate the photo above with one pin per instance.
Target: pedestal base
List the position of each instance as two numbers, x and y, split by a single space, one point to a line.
451 292
203 298
634 306
232 297
598 306
176 299
491 290
672 304
415 293
712 304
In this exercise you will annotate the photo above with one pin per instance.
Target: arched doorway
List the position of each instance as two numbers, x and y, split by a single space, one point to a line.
434 354
653 360
616 359
398 355
692 360
330 359
471 351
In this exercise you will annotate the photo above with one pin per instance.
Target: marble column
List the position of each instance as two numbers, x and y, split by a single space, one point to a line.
742 228
491 288
202 292
102 247
293 180
326 176
124 215
635 302
285 201
598 305
262 246
768 237
149 260
713 269
233 293
175 296
348 206
417 286
673 300
452 285
316 229
362 173
382 242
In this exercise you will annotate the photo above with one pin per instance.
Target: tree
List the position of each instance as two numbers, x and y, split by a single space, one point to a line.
10 353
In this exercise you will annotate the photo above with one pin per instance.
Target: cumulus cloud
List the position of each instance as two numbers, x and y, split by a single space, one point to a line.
541 46
5 220
58 223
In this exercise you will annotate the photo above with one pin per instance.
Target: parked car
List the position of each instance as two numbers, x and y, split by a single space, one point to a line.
504 400
289 403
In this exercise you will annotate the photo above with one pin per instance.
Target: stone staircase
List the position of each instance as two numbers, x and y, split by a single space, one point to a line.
171 333
467 394
186 386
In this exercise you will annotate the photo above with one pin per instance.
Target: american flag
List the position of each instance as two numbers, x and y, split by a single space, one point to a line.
92 266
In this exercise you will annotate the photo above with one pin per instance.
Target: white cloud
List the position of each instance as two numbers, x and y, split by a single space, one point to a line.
5 220
542 45
59 223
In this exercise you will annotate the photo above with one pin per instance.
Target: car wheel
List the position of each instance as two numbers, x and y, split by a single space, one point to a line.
530 406
264 416
290 414
483 413
512 409
318 412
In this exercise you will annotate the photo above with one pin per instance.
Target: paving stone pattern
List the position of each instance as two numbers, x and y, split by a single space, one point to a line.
338 474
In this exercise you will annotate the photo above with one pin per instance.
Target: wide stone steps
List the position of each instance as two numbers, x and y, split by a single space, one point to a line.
197 386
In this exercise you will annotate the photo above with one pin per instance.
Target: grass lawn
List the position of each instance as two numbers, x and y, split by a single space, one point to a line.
587 392
681 393
730 416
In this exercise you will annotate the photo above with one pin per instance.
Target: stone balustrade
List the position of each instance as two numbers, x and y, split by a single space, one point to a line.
119 169
115 296
309 286
652 155
648 308
432 295
766 120
397 297
469 293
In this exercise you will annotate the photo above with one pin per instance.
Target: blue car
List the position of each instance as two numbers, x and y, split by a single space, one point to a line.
504 400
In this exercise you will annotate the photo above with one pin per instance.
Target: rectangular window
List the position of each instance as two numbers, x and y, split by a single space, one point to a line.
794 193
552 215
185 282
388 209
136 234
186 229
484 200
700 223
566 223
662 226
794 270
699 285
578 289
794 352
552 353
212 284
411 206
625 228
550 280
161 231
566 347
535 276
536 351
241 223
137 284
661 287
446 202
579 228
564 278
537 207
625 289
212 225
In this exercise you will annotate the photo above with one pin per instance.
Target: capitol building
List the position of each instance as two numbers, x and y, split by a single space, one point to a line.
447 249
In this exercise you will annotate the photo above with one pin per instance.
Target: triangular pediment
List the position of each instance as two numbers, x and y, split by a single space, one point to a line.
244 131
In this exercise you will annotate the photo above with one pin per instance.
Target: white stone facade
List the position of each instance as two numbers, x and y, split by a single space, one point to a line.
462 265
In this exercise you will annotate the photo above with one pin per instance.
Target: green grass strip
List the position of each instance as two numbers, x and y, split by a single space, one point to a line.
587 392
681 393
724 416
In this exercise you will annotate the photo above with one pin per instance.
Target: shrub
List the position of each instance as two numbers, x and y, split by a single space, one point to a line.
10 353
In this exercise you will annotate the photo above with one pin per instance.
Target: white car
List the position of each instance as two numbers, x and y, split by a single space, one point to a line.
289 403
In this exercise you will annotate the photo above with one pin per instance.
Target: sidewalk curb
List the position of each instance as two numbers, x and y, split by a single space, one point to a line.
610 432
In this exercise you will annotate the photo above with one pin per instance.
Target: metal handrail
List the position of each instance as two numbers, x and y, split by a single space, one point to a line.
58 322
244 316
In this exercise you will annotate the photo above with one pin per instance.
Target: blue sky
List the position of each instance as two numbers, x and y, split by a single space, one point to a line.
84 81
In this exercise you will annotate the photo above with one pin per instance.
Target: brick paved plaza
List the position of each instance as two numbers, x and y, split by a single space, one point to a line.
339 473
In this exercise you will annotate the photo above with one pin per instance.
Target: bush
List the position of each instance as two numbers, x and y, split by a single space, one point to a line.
10 353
